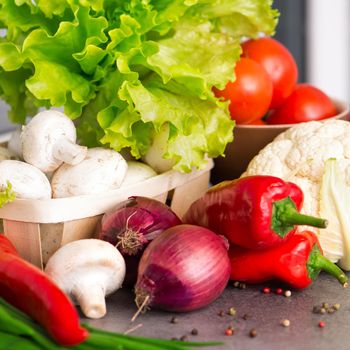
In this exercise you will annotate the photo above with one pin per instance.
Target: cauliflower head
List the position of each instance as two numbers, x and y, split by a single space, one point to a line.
299 155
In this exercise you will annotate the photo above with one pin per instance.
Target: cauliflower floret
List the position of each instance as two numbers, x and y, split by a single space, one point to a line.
296 134
309 155
299 155
271 160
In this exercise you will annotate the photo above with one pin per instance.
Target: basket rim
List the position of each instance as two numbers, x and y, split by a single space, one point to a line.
55 210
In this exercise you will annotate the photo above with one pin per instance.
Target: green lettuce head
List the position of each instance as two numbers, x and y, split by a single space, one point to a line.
125 69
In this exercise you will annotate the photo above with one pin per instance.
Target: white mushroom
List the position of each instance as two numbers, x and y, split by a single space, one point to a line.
101 170
14 144
88 270
137 172
49 139
27 181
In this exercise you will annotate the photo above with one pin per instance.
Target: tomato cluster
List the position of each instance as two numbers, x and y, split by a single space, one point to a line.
265 90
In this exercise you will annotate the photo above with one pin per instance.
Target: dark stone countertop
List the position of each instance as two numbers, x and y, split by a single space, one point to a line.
266 312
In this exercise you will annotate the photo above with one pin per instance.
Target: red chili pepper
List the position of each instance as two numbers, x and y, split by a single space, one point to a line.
297 262
254 212
28 288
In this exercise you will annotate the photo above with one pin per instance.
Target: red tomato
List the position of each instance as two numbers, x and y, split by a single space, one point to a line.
306 103
250 94
278 63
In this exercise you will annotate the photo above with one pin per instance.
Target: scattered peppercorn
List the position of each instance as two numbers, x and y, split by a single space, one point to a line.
266 290
229 331
242 286
253 333
279 291
221 313
287 293
246 317
321 324
194 331
174 320
232 311
326 308
184 338
336 306
325 305
285 323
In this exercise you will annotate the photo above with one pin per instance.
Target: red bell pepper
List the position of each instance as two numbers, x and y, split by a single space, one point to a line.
297 262
29 289
255 212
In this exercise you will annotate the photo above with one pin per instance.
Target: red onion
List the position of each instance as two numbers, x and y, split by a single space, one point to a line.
183 269
131 225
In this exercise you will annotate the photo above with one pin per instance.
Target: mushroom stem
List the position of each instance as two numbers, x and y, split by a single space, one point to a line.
91 299
87 270
69 152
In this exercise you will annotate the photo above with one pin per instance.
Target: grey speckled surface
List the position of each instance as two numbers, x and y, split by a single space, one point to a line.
266 311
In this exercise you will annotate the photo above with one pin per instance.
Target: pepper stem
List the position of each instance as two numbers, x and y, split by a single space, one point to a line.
285 215
332 269
318 262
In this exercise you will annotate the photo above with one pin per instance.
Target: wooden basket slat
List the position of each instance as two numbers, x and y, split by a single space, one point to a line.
51 239
187 193
26 238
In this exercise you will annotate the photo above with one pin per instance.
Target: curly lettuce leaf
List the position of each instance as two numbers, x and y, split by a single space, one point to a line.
196 58
10 57
7 195
12 87
238 18
21 17
198 127
58 75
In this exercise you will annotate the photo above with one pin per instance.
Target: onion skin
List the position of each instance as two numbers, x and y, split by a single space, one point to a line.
131 225
185 268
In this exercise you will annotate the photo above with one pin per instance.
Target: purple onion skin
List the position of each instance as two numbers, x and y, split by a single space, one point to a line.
145 218
185 268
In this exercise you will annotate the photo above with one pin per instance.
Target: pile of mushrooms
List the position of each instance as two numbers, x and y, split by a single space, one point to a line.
43 160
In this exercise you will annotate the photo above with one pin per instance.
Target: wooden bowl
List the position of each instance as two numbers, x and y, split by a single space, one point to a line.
249 140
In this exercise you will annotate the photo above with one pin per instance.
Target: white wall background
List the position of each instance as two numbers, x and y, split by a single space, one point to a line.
328 46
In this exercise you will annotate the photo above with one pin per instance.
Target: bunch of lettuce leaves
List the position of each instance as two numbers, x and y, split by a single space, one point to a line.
122 69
